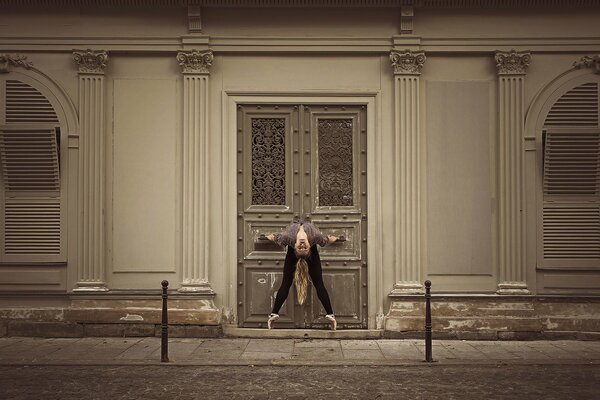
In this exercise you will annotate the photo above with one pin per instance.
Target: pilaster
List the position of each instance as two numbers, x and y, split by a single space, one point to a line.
195 67
407 69
91 275
512 67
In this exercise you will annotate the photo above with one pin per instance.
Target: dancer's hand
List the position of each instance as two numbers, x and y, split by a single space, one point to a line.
271 237
332 238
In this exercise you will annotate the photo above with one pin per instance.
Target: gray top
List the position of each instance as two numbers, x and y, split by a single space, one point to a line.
314 235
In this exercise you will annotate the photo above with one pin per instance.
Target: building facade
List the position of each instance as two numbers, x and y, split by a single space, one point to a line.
454 141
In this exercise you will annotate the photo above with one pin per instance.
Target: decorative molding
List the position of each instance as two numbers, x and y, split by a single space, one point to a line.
407 183
407 62
300 44
407 14
196 171
493 4
511 118
194 18
6 60
195 62
90 62
512 62
513 288
589 62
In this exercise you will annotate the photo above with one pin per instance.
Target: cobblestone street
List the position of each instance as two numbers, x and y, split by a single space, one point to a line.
300 382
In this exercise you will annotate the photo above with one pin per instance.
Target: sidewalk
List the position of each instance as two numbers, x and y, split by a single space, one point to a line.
284 352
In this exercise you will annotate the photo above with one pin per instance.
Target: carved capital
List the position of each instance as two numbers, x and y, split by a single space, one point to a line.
407 62
512 62
194 62
6 61
592 62
90 62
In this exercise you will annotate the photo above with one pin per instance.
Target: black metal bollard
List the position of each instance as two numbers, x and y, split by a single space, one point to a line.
428 356
164 340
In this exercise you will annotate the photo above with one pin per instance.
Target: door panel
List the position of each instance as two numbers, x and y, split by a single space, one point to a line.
307 162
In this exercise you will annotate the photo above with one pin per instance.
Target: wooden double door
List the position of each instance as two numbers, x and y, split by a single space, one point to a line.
308 162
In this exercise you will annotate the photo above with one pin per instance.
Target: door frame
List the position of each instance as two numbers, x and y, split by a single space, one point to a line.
231 99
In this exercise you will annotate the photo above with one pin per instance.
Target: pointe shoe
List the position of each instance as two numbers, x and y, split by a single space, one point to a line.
272 318
332 320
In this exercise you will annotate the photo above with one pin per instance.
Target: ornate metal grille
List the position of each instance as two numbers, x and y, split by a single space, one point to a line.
268 161
335 162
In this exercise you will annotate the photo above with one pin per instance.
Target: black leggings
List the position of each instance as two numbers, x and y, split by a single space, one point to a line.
316 276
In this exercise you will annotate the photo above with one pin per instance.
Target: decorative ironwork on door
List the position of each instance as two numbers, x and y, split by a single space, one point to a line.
302 161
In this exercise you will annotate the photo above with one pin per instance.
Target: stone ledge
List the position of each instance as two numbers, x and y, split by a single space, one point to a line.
74 330
45 329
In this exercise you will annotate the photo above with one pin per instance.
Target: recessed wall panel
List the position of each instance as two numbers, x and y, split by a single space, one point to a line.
144 175
459 197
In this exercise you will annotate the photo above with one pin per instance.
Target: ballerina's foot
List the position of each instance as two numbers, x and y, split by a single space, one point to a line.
272 318
332 321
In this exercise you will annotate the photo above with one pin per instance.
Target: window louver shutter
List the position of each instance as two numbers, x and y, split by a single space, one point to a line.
571 232
32 226
25 104
31 219
29 159
571 162
571 180
577 107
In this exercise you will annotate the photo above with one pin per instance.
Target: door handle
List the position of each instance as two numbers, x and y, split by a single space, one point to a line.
341 238
262 237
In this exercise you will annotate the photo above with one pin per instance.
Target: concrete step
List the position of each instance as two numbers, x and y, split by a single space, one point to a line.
234 331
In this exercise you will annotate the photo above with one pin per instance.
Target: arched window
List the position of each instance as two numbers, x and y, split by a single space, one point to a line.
31 189
570 210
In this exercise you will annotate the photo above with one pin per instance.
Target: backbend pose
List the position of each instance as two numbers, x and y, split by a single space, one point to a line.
302 259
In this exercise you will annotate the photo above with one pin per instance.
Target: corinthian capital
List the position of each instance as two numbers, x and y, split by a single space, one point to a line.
7 60
90 62
407 62
512 62
194 62
589 62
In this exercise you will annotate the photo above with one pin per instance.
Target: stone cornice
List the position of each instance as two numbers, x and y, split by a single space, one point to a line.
407 62
512 62
592 62
90 62
491 4
7 61
195 62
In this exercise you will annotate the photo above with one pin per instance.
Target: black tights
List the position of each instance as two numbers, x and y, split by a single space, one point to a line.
316 275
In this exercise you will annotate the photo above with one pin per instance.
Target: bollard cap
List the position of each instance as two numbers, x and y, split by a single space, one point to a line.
165 283
428 283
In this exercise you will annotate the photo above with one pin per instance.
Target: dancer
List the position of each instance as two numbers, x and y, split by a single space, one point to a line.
302 259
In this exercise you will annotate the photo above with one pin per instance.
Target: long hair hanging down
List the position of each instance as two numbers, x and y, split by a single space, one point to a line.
301 279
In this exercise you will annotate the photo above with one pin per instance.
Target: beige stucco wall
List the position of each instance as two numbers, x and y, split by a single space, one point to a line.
459 126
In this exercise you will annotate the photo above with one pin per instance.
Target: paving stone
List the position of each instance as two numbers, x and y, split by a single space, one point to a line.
264 355
220 349
359 344
275 345
143 349
427 381
399 350
77 350
318 353
324 343
353 354
463 350
178 350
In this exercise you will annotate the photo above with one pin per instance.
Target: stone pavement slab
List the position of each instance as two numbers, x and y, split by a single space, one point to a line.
245 351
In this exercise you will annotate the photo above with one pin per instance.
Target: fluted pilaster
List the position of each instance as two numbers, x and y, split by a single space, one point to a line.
195 67
91 245
512 67
407 68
